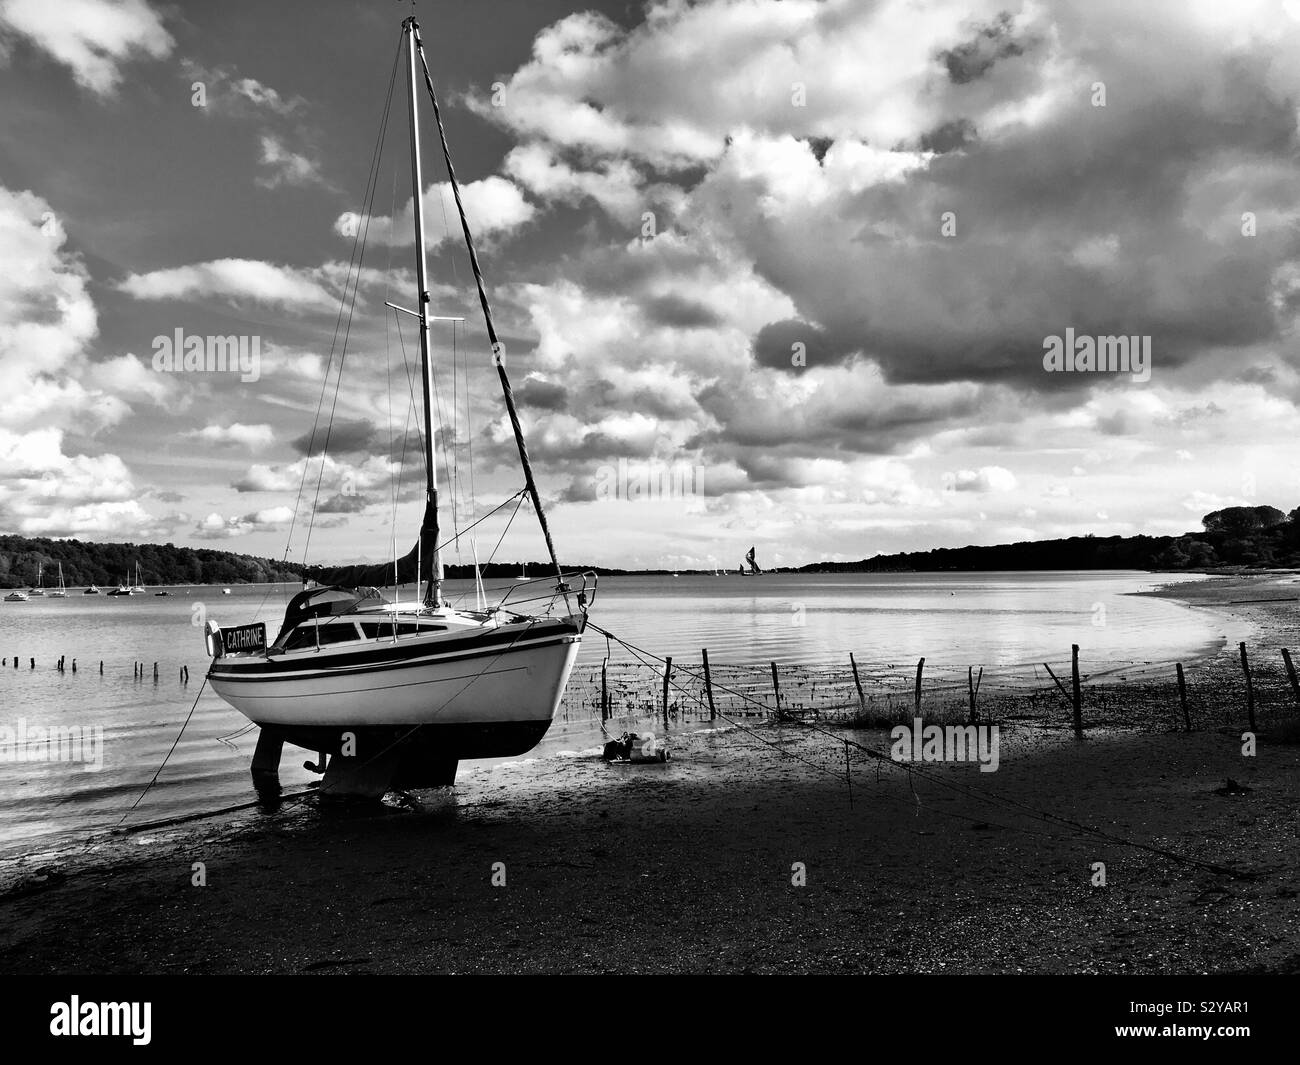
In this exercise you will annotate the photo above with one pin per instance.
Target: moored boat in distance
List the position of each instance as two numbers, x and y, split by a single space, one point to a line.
396 693
61 592
17 596
92 590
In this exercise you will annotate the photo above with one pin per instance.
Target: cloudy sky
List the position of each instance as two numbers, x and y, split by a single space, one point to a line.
809 252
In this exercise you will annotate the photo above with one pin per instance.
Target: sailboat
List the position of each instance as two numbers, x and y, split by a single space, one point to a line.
138 588
523 572
753 570
61 592
396 693
38 591
123 588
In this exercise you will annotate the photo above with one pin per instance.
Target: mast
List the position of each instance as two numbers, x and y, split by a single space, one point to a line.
498 351
433 593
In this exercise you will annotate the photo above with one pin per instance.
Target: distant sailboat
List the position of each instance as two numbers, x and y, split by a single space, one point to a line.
61 592
138 588
16 596
92 590
523 572
38 591
753 570
123 588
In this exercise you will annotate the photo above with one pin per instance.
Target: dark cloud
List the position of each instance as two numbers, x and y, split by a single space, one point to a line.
344 504
1064 226
974 58
949 137
680 313
1258 375
819 146
774 346
543 395
344 437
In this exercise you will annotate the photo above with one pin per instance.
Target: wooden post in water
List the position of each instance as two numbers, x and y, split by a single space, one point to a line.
1250 689
776 688
1290 672
857 683
1182 698
101 667
919 666
973 690
708 683
668 672
1078 698
155 672
604 693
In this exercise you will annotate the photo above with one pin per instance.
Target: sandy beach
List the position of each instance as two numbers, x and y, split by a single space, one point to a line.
691 866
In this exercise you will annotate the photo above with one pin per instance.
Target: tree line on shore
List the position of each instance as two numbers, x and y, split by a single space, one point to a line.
1253 537
106 564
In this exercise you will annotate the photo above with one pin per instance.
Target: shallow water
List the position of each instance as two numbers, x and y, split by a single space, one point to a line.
1005 622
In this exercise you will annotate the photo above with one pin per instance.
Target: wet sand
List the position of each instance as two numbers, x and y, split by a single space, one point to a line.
687 867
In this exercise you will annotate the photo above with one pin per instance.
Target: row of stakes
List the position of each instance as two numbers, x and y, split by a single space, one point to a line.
139 668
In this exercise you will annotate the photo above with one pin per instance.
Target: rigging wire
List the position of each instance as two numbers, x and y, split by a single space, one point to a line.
388 388
497 349
354 264
353 261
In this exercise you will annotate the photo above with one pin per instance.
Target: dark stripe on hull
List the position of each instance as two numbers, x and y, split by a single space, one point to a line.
389 653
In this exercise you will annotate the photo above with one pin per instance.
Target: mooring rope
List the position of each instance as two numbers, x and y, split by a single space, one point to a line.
170 752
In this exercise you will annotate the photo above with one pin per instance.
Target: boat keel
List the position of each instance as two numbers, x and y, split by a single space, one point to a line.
266 764
374 761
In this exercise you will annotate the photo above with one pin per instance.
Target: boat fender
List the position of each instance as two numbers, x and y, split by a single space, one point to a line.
212 639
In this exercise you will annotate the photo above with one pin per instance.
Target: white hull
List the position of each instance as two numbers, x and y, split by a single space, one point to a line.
521 682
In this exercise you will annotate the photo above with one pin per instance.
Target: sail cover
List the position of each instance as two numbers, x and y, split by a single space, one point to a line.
416 564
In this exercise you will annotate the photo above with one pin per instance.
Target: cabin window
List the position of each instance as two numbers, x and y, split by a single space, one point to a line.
383 630
306 636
